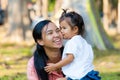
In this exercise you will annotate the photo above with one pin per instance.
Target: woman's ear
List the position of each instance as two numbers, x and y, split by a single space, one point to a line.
40 42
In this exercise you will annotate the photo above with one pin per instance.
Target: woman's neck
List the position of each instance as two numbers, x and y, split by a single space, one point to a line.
54 55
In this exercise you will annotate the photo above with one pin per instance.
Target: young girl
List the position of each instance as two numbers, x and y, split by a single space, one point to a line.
77 58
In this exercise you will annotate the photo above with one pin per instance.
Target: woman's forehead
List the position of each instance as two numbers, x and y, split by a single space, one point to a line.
50 26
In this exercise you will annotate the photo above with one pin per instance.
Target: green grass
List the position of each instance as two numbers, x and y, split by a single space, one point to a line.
13 61
18 76
107 63
111 76
14 58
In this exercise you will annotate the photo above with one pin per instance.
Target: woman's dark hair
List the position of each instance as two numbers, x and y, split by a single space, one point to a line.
40 57
75 20
37 31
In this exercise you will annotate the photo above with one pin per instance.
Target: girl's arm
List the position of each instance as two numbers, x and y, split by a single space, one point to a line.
52 67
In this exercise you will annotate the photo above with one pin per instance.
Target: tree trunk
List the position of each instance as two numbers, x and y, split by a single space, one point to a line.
106 13
57 7
118 26
14 15
103 34
95 34
42 8
24 18
39 8
17 17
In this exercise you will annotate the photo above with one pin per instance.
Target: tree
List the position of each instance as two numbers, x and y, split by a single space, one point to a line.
42 8
57 7
17 17
118 27
93 31
102 32
106 13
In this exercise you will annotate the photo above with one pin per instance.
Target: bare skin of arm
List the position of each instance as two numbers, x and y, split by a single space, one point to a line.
61 79
52 67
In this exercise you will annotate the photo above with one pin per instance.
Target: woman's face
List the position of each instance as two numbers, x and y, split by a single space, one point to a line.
51 36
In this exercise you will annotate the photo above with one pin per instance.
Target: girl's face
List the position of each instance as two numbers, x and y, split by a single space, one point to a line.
67 31
51 36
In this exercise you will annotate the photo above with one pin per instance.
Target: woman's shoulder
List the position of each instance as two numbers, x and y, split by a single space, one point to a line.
31 61
30 65
31 72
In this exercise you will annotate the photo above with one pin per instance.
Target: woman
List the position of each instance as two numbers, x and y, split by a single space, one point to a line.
48 40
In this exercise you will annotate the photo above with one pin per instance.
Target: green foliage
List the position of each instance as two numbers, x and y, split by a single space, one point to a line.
114 3
51 5
99 5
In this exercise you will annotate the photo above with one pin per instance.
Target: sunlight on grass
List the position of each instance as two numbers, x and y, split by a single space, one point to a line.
108 64
111 76
14 60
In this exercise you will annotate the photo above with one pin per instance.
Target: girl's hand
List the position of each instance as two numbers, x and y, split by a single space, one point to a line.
50 67
61 79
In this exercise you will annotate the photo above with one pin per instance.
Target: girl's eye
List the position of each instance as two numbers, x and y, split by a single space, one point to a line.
63 27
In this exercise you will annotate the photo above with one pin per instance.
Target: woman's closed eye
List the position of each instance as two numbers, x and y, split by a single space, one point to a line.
49 32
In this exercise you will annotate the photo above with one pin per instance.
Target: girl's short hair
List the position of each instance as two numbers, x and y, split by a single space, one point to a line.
75 20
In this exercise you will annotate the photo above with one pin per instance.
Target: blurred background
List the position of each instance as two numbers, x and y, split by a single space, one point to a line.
17 17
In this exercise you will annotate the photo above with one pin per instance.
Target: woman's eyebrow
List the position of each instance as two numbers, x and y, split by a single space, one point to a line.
48 31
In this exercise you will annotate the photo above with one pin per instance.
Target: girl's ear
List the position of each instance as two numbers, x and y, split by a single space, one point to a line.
75 29
40 42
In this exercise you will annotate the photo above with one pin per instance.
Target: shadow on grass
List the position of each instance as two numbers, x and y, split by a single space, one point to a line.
104 76
110 76
18 76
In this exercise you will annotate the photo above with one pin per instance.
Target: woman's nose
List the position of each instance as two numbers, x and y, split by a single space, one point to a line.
61 30
56 34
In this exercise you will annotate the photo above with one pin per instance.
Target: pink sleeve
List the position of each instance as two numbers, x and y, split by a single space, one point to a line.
32 75
31 72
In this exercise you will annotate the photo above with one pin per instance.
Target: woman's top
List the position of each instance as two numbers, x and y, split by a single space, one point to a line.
83 58
32 74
